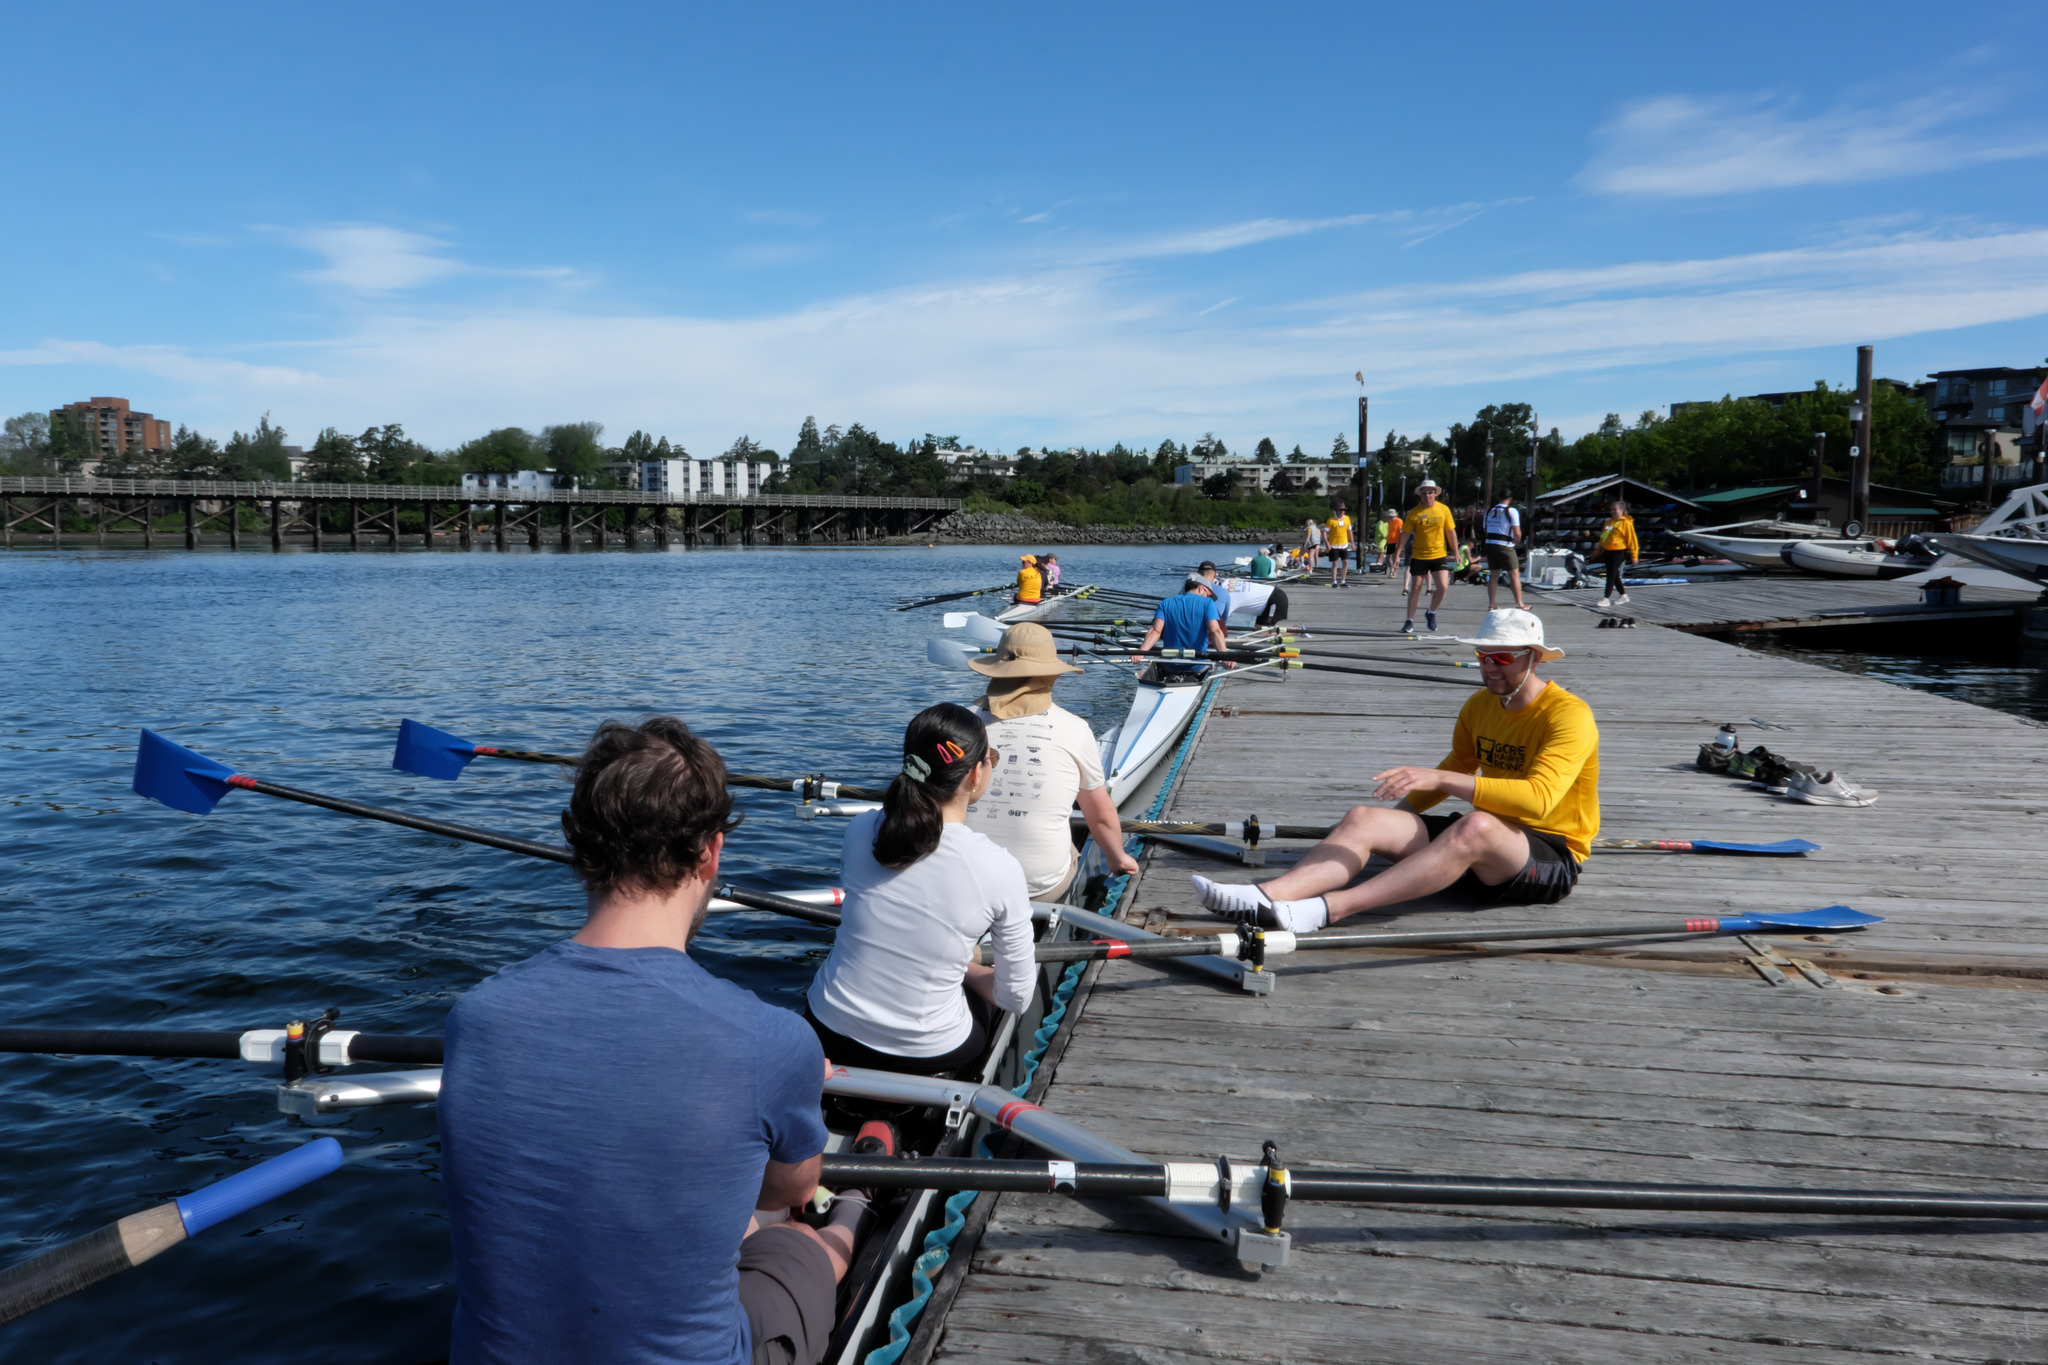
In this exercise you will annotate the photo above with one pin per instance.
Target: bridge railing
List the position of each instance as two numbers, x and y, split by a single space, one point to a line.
77 486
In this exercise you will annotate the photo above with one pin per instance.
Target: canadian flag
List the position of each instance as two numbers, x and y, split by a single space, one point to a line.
2040 398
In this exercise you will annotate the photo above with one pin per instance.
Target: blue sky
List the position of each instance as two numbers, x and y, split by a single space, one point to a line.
1072 224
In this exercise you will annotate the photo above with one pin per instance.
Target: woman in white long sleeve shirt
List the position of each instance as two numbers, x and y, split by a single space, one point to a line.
900 991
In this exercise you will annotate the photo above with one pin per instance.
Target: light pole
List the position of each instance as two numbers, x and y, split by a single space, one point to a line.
1860 452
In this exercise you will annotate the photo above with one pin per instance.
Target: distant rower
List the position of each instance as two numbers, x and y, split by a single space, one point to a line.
1030 583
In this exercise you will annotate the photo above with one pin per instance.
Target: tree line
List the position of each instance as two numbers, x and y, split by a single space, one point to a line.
1726 443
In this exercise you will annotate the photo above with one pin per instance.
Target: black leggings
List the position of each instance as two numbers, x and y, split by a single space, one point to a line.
1615 559
845 1051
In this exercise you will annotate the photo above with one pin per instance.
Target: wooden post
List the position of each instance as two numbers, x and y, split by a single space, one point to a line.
749 527
319 515
148 525
277 524
661 527
99 507
498 530
391 524
6 523
56 523
1486 480
630 525
1820 473
191 525
568 525
1859 466
427 524
234 523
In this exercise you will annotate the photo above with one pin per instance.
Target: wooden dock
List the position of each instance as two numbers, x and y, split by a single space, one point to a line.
1789 602
1908 1055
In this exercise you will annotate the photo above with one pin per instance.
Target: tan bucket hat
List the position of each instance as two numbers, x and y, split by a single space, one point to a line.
1027 651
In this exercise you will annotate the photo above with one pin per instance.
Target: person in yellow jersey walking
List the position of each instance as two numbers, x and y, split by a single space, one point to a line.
1618 544
1429 542
1525 755
1030 583
1337 531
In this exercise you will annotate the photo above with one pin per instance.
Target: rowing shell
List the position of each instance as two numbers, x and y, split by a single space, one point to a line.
1032 611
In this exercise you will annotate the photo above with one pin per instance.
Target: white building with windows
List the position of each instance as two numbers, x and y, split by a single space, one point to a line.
1303 476
687 479
525 480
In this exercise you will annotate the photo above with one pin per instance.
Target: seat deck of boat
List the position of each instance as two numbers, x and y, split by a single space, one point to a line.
1923 1064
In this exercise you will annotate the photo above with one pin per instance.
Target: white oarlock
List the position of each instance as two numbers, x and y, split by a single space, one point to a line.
267 1045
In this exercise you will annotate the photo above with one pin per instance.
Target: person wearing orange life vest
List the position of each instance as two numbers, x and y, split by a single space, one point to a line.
1618 543
1030 583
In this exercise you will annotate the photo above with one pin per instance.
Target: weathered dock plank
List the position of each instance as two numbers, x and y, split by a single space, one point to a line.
1593 1065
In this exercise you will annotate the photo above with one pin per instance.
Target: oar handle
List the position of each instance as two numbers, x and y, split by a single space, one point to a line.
531 848
825 788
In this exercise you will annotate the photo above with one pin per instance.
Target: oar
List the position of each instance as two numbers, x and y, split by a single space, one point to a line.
427 752
192 782
952 597
109 1250
1204 1182
1272 942
1251 831
954 654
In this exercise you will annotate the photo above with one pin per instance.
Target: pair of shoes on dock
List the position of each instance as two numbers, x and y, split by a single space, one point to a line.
1618 622
1781 776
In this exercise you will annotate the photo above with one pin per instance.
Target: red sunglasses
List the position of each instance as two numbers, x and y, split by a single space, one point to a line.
1497 660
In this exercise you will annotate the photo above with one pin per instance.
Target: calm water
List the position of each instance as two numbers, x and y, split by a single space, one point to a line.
116 912
2014 681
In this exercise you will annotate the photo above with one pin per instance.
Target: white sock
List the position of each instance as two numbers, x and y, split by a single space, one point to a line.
1303 916
1233 898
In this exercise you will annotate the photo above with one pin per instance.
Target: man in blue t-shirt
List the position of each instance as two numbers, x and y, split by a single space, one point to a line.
1193 620
617 1122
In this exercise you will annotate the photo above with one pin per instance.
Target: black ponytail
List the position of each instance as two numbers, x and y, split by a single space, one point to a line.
943 744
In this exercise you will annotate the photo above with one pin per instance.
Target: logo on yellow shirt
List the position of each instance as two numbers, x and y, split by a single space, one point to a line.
1507 757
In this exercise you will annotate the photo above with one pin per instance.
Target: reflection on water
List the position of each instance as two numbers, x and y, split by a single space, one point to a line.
2013 680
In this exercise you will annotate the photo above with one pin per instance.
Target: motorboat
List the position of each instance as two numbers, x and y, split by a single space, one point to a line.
1763 549
2013 538
1860 559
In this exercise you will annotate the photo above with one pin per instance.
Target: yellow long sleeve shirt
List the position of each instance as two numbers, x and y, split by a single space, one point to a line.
1620 534
1539 766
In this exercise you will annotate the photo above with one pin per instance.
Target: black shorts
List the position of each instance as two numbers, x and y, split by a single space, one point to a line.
1501 557
1442 565
788 1293
1547 878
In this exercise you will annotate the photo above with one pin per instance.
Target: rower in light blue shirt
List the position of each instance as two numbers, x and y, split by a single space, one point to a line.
1193 620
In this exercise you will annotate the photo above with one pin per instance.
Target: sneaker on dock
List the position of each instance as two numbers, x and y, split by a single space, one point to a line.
1408 626
1826 789
1601 604
1430 617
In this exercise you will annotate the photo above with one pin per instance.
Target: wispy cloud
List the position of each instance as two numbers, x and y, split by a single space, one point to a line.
371 259
1076 352
1683 146
1229 237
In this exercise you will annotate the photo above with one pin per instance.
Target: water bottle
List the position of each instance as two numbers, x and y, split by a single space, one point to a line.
1725 739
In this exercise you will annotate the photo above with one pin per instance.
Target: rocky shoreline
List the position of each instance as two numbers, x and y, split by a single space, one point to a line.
992 528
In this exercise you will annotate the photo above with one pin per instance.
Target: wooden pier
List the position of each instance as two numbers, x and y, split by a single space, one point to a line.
52 511
1913 1054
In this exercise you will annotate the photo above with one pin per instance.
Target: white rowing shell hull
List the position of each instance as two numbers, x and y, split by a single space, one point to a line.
1755 551
1158 718
1846 562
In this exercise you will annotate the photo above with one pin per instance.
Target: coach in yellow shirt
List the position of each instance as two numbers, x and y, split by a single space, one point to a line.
1429 543
1337 534
1525 755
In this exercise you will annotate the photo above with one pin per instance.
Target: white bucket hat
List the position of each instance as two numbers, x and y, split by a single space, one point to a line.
1427 483
1513 628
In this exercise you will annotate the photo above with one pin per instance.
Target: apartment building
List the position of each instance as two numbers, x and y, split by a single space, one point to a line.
116 429
1970 405
689 479
1281 480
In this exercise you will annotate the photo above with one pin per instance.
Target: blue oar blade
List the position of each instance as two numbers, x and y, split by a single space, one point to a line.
261 1183
426 752
1829 917
1784 848
176 776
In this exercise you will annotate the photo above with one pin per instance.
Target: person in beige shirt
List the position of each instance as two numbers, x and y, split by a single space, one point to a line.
1050 763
